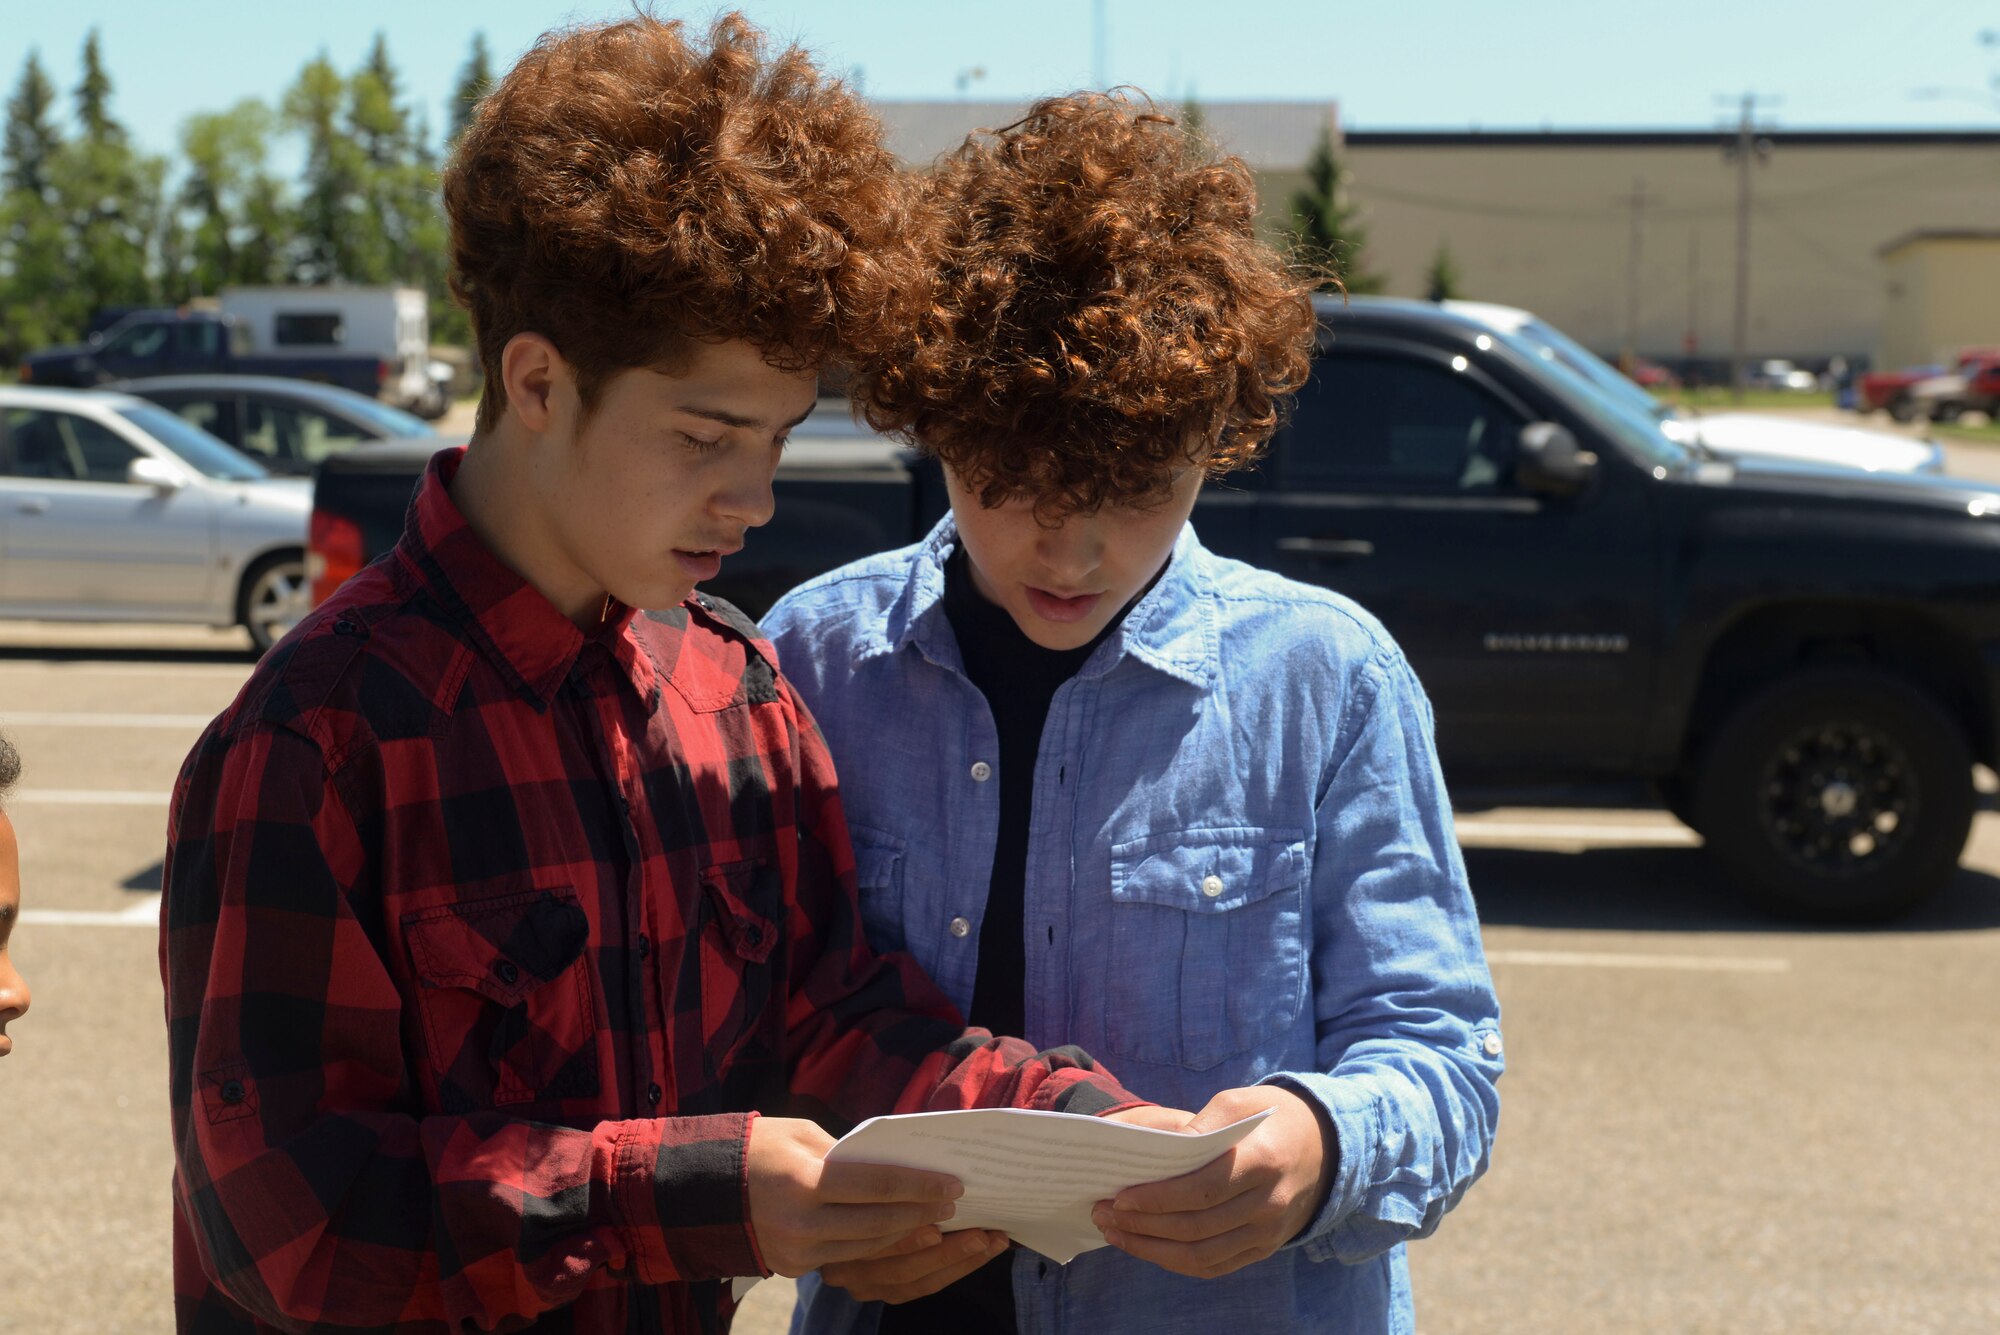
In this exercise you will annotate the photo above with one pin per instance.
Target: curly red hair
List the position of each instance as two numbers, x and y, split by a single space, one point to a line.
1102 312
623 192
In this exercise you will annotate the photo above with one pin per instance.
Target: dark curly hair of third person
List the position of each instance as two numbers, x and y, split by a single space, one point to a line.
1102 314
622 192
10 767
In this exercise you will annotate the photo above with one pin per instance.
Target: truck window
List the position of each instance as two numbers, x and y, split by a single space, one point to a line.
1382 422
138 340
198 338
291 329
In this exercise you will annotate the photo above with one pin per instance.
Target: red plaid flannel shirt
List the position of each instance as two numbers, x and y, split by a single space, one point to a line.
484 941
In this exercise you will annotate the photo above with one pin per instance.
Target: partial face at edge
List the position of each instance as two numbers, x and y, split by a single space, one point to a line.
1063 582
663 481
13 987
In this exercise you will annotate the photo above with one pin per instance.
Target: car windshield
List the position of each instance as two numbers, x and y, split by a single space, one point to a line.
202 452
1630 421
389 421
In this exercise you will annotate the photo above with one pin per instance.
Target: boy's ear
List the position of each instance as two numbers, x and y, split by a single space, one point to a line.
534 374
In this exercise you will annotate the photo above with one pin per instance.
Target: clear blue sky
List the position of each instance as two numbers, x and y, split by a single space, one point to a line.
1572 64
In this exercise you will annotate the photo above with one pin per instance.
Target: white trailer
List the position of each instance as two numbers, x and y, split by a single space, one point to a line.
391 324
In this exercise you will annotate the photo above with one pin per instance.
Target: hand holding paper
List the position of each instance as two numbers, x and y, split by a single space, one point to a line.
1034 1175
1243 1206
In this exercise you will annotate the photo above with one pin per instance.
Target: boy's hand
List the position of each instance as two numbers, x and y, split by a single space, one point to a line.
1153 1115
1242 1205
808 1213
921 1263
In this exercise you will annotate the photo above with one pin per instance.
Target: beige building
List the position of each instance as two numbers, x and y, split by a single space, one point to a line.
1545 219
1943 295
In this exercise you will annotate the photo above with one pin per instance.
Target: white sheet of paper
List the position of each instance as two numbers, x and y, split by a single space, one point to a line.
1035 1175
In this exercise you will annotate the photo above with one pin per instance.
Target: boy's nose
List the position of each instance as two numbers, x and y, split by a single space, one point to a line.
14 996
1071 550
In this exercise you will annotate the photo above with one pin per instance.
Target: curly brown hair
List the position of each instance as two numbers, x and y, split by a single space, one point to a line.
1102 311
622 192
10 767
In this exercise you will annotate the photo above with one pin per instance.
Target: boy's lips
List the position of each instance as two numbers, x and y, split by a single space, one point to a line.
1058 607
705 564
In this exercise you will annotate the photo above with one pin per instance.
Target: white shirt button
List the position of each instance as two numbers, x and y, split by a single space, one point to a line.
960 927
981 771
1492 1045
1211 886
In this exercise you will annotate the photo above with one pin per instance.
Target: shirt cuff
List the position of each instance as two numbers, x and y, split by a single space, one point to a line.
680 1188
1350 1114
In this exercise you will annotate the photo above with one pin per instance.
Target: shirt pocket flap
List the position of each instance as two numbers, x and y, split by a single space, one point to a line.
1207 871
874 865
745 897
502 948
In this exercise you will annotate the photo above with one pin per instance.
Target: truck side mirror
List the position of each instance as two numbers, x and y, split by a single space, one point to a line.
1550 460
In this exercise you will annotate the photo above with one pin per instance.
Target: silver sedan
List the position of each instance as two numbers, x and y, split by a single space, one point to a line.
114 509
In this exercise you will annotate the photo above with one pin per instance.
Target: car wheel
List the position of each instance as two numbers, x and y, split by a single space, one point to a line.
274 598
1838 794
1946 411
1902 409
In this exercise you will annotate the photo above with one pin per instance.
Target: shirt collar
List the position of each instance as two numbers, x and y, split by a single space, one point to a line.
1172 629
531 643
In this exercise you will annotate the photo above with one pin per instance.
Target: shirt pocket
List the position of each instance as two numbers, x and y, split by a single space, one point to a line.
878 877
1208 944
741 964
505 994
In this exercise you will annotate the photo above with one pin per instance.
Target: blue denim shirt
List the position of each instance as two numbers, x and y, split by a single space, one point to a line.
1241 869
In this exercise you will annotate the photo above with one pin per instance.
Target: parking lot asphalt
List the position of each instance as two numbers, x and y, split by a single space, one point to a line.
1712 1120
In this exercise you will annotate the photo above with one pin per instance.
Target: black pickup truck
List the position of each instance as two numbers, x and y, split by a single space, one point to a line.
168 342
1803 663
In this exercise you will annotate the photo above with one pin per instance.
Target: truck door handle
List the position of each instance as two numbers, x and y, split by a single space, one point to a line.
34 505
1328 549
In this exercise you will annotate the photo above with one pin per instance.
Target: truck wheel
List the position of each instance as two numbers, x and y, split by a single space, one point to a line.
1902 409
273 598
1838 794
1946 411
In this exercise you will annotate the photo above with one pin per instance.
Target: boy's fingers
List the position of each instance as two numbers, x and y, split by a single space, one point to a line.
879 1223
1204 1259
1209 1185
1186 1225
901 1278
869 1183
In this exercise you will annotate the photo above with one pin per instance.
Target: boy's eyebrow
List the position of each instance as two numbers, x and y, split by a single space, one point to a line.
737 420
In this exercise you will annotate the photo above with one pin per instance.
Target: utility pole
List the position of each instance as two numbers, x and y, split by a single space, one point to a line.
1691 339
1638 200
1746 148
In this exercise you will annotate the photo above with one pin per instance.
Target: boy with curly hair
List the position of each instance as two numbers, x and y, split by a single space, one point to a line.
1112 789
496 913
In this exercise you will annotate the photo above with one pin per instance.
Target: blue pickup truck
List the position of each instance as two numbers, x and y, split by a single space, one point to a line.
154 343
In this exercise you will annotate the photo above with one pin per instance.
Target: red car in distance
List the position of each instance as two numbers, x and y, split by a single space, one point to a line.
1889 391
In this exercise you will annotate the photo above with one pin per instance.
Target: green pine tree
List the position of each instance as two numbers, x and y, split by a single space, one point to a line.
93 96
32 137
1441 280
475 80
1326 227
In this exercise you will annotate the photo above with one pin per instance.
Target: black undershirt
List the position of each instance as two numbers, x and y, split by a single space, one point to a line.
1019 679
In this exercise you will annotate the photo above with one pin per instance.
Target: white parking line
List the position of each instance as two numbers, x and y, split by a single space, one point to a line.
143 912
1479 831
88 797
17 718
1593 959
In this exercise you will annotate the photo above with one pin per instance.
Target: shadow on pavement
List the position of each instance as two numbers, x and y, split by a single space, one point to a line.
146 878
224 654
1674 890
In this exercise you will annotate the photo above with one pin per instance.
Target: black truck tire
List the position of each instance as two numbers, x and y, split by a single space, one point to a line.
1903 408
1837 794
